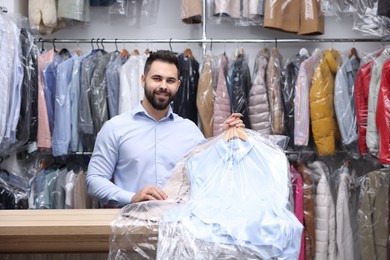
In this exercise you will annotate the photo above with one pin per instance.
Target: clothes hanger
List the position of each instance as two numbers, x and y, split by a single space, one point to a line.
188 53
135 51
124 53
353 52
235 132
78 51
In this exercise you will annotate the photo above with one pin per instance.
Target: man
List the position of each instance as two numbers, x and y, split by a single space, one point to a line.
135 152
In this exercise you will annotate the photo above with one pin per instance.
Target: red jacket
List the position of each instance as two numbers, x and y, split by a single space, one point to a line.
383 115
362 84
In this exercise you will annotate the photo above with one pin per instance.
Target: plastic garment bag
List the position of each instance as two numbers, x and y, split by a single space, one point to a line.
373 214
222 98
239 83
322 115
274 93
228 198
259 110
367 21
344 102
205 97
288 82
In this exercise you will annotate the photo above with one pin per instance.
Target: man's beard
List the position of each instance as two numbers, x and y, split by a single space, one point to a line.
157 103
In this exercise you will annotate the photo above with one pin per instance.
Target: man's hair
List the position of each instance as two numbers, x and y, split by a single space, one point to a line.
164 56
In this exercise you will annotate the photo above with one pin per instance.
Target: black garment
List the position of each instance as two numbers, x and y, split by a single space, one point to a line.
184 103
7 198
29 90
239 83
384 8
287 85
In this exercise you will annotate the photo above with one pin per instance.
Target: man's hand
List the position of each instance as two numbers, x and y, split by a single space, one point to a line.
149 193
233 120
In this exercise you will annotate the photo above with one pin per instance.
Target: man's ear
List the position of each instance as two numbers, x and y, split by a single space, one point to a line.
178 84
143 80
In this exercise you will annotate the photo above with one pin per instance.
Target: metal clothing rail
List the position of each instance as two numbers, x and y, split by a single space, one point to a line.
211 40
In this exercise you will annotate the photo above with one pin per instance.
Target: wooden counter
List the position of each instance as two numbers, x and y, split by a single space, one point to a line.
63 230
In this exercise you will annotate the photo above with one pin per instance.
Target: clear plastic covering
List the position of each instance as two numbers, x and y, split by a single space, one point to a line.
239 83
240 13
13 191
19 85
139 13
274 69
184 103
205 96
338 8
367 21
227 199
373 214
322 115
344 101
76 10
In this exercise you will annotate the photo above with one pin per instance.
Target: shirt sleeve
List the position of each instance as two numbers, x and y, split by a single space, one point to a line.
101 168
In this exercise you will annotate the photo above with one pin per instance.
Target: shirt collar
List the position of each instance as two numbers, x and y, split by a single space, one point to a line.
140 110
234 148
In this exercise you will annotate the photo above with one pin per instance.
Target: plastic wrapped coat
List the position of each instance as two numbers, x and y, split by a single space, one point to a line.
259 111
274 92
222 98
322 115
205 97
383 115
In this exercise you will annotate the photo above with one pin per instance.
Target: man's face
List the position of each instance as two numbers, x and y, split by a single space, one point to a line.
161 84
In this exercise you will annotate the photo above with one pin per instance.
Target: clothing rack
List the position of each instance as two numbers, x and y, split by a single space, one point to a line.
204 41
211 41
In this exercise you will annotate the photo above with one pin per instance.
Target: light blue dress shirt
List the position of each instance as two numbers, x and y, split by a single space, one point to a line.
134 150
75 140
239 196
62 108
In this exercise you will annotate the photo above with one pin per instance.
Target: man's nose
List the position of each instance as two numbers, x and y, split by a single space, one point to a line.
164 84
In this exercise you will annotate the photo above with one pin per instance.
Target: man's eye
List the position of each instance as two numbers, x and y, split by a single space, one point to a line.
156 78
171 81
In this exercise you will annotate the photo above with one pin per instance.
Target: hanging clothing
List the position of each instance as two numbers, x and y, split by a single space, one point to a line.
184 103
288 81
205 97
373 215
131 90
382 115
344 102
274 93
301 98
309 212
372 137
259 109
322 115
362 86
44 134
325 219
239 83
62 108
347 205
283 15
222 99
191 11
297 185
